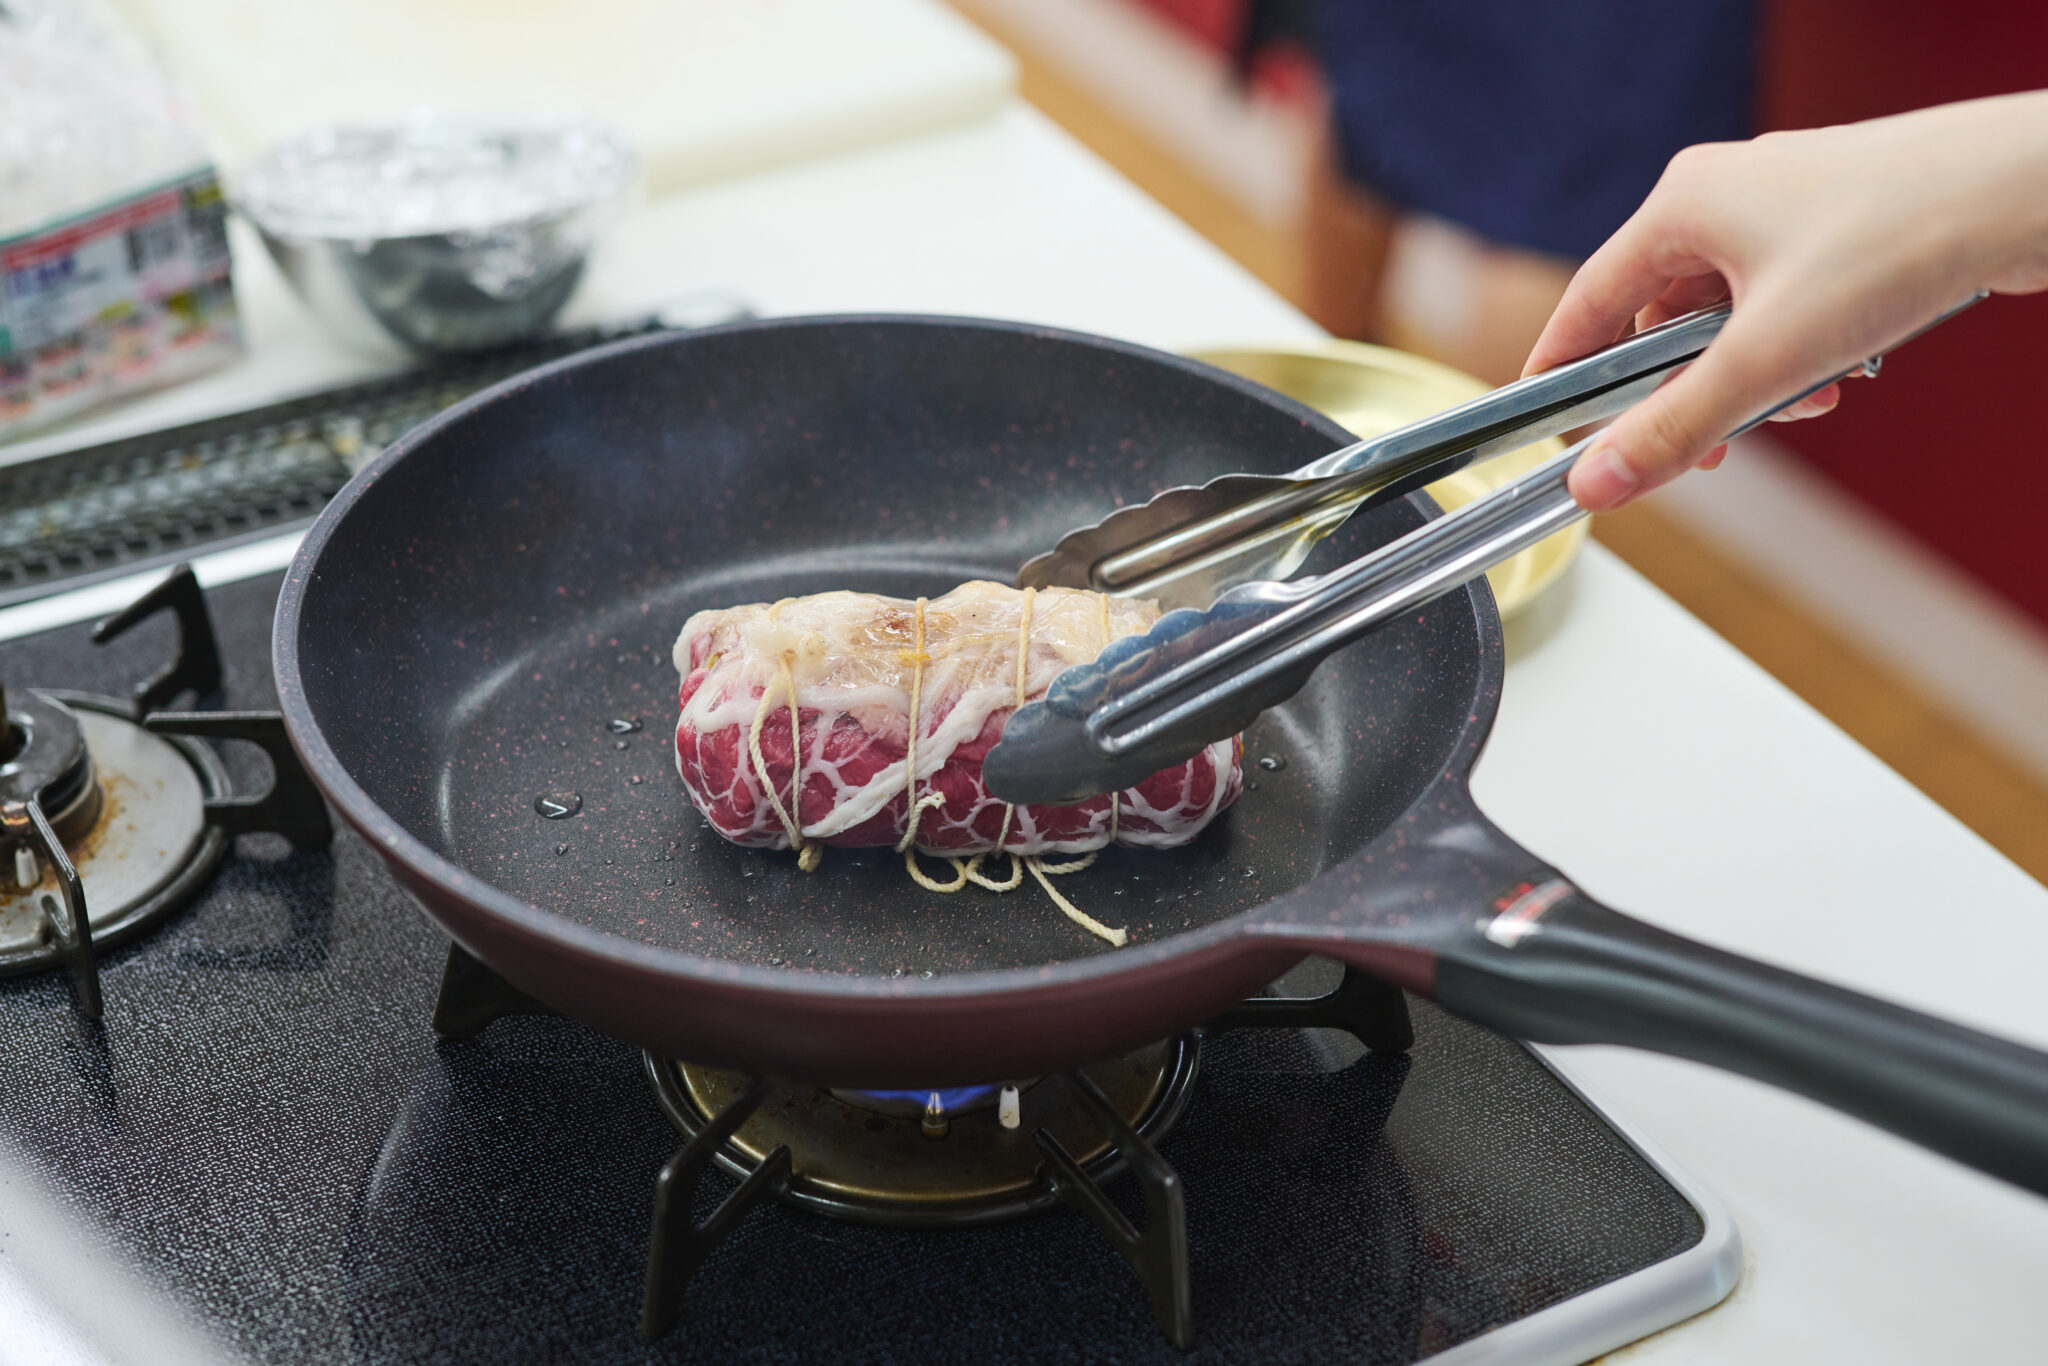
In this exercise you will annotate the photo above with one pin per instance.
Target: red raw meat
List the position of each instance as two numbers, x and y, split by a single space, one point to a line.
854 663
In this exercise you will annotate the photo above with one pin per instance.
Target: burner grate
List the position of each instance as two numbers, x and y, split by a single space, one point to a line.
711 1109
1373 1013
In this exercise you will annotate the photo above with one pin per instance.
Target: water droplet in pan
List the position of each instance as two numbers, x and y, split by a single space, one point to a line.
561 849
622 744
1272 763
558 806
635 780
620 725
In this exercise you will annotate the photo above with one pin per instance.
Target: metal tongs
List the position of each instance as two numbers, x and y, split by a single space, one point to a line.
1186 545
1204 671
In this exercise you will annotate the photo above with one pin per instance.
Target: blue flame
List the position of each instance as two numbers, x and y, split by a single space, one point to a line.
951 1099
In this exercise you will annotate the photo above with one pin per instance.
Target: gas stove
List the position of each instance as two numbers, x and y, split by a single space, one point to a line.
242 1060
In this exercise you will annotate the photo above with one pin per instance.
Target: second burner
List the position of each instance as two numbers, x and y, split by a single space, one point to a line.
852 1159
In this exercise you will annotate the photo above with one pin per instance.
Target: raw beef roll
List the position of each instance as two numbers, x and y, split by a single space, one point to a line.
854 720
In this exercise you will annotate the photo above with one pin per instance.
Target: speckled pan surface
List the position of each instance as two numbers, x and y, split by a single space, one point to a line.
473 613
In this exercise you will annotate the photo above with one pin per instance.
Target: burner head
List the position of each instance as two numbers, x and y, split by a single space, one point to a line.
129 807
878 1157
44 758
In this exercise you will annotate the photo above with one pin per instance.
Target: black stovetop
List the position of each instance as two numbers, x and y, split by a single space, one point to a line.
267 1126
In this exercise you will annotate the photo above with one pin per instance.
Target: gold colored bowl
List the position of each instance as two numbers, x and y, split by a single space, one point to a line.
1374 389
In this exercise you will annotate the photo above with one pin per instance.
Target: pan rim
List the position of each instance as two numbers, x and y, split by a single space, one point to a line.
401 847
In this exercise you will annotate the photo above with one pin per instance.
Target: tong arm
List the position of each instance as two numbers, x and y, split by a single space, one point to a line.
1590 389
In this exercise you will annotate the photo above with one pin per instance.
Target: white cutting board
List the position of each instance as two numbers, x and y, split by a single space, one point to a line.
704 88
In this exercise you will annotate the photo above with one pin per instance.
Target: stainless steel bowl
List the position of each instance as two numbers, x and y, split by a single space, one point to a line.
439 233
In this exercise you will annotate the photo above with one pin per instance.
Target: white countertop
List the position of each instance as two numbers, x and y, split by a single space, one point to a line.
702 88
1635 749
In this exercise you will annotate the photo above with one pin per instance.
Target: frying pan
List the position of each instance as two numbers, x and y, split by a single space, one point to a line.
477 624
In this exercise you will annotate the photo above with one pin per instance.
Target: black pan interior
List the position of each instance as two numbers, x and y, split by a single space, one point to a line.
510 588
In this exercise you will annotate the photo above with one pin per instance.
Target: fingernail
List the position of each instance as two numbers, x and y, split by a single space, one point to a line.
1603 480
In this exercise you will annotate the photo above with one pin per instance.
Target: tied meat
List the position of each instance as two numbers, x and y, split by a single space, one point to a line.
820 698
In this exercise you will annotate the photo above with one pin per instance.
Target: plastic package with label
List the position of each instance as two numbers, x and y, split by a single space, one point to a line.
114 270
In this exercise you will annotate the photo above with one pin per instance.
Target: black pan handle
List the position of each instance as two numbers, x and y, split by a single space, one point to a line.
1465 916
1587 974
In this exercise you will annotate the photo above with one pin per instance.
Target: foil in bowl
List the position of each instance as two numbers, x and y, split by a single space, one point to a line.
441 233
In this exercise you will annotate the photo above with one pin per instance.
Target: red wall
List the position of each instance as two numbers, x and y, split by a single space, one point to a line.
1217 23
1952 441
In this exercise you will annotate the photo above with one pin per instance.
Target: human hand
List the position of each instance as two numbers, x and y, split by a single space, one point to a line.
1834 243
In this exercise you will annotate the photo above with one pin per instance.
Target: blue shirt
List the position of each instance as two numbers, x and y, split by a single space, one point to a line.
1536 123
